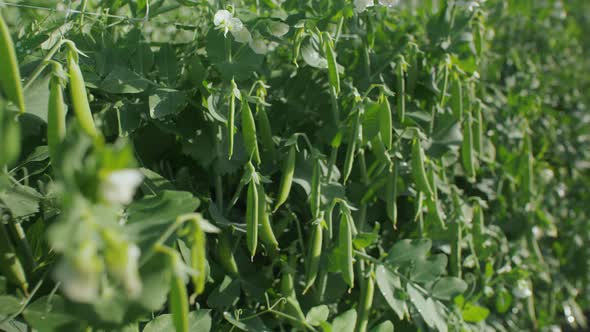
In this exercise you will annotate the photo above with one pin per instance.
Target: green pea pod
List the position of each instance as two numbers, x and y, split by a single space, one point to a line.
225 254
385 122
287 285
365 303
178 300
314 255
287 177
401 90
528 174
316 187
345 243
56 117
249 132
79 96
378 149
10 142
333 75
10 80
467 156
456 235
231 119
265 132
457 98
252 218
478 228
413 69
266 233
478 131
419 170
434 210
10 264
443 97
391 195
351 149
198 257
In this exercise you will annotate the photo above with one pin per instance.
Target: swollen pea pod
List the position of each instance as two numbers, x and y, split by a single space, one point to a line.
433 203
178 298
413 68
316 187
314 255
56 114
391 195
231 119
198 257
378 149
401 88
10 142
478 228
265 131
478 130
366 302
287 285
419 170
252 218
225 254
443 97
333 75
345 243
10 80
249 132
456 234
287 177
457 97
78 95
467 155
10 264
528 173
351 149
266 233
385 122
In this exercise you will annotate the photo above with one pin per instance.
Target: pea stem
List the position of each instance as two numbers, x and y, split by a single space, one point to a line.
44 63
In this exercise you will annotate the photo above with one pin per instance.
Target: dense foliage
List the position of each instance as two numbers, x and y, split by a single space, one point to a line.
284 165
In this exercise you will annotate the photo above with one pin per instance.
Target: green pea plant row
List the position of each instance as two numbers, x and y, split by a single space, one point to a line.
290 165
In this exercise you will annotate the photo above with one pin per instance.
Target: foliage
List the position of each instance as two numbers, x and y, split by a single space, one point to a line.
295 165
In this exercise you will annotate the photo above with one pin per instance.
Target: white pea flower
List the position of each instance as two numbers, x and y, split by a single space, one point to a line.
80 275
522 289
119 186
278 29
224 20
258 44
242 35
127 271
361 5
389 3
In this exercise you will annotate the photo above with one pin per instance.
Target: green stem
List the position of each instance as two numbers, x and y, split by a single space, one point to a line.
43 64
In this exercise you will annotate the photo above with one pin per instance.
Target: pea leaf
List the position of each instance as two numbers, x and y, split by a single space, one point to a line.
199 320
317 314
386 326
123 80
163 102
345 322
428 269
448 287
473 313
390 286
408 250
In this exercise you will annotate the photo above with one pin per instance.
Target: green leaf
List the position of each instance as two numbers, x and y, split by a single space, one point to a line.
250 325
21 200
167 64
428 269
409 250
448 287
123 80
426 307
365 239
386 326
503 301
48 314
150 216
225 295
390 286
8 305
345 322
199 320
165 102
317 314
473 313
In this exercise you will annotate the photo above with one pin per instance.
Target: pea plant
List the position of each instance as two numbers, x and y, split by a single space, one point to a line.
289 165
